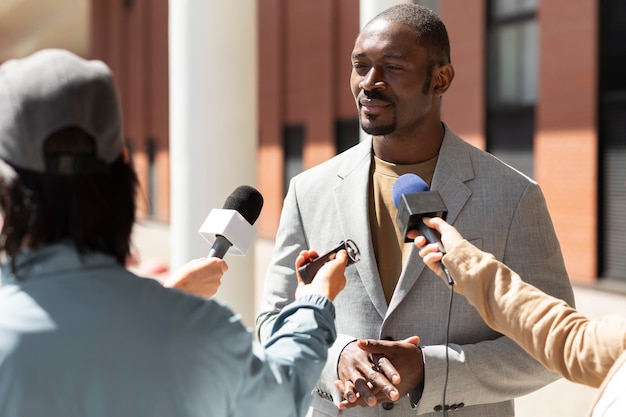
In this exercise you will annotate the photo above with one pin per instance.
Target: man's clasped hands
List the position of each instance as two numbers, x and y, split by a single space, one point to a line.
372 371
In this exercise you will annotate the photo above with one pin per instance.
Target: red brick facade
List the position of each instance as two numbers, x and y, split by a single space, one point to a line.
303 51
132 38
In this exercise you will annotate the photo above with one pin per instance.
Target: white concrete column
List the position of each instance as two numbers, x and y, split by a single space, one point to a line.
213 128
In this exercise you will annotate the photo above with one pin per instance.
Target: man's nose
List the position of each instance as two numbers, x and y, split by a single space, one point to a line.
373 80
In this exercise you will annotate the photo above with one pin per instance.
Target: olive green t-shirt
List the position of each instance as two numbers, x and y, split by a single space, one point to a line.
389 247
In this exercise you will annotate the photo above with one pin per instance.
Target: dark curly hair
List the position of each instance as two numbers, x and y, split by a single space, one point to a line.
429 30
94 209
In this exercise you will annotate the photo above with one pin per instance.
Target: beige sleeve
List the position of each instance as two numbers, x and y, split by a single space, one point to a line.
555 334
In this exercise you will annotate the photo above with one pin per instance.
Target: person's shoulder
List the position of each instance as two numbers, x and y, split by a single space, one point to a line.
12 300
189 312
176 298
201 328
152 293
485 163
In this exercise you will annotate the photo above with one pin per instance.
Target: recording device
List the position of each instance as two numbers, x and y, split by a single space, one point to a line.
308 271
230 229
414 201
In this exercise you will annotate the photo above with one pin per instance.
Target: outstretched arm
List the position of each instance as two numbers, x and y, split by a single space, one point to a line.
557 335
277 378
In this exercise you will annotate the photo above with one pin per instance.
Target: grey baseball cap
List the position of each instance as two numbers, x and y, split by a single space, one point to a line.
54 89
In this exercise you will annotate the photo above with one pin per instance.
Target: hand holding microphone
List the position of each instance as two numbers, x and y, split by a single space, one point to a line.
230 231
414 201
431 254
201 277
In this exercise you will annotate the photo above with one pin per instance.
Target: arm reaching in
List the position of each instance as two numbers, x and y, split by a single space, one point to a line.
203 276
297 347
276 378
558 336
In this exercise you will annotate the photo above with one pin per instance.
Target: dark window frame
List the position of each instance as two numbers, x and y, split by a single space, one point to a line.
510 126
294 136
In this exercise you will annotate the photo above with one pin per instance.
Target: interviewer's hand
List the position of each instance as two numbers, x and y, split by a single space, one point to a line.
201 276
430 252
329 280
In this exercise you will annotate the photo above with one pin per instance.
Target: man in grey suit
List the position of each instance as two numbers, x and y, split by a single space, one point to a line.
400 71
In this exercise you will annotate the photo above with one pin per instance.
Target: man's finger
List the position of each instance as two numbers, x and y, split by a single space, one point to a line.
364 391
386 367
382 346
347 390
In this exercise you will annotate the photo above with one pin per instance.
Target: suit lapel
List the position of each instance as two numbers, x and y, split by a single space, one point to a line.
351 201
453 169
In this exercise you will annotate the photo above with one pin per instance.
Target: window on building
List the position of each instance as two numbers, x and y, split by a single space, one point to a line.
512 69
151 150
612 131
293 146
346 134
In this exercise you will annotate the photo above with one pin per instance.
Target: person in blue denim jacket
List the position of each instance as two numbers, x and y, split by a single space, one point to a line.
80 335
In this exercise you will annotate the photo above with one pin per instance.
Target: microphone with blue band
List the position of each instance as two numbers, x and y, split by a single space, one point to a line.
414 200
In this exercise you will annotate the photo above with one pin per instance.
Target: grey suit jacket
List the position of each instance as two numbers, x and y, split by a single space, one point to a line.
494 206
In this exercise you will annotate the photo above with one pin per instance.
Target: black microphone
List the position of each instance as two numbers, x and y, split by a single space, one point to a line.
414 201
230 229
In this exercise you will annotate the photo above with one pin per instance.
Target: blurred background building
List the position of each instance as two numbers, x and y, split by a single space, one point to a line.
539 84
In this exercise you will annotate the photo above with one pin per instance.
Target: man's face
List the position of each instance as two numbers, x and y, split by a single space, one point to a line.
391 79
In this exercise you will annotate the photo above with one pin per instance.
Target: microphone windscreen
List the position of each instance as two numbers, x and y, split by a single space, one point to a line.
247 201
407 184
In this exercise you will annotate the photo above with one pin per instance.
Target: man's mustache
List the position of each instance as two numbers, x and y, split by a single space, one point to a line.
374 95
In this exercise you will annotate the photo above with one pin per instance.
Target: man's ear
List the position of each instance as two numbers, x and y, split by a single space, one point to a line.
443 78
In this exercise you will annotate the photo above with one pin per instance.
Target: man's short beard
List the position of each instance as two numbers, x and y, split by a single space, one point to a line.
379 130
391 127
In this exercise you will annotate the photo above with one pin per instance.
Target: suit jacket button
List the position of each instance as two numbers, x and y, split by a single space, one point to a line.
388 406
